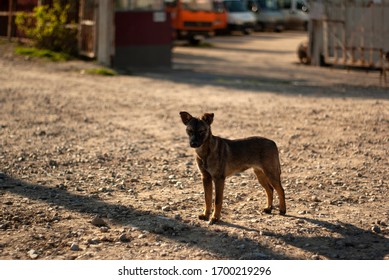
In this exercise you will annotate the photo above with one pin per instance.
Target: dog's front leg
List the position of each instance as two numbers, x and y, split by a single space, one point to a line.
207 184
219 189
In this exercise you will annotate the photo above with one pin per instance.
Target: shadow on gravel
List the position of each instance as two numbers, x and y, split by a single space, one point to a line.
228 246
354 243
258 83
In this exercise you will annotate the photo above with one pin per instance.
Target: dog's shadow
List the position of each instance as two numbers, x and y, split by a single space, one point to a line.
219 244
236 226
354 243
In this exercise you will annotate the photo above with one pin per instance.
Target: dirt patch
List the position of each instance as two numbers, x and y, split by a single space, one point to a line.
98 167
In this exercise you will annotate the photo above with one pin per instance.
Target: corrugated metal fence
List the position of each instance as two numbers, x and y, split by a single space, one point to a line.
350 32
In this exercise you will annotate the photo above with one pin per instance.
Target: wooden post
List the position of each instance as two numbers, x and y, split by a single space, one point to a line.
104 26
80 19
10 12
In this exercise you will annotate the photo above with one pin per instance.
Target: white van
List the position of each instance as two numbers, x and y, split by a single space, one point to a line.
267 13
239 18
295 13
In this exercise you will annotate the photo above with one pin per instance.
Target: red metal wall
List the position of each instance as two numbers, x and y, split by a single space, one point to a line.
142 40
139 28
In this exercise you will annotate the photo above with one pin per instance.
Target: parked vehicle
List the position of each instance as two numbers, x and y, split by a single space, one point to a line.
239 18
191 19
268 15
295 13
220 23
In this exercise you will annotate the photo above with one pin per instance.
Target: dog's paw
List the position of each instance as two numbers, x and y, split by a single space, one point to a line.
204 217
267 210
282 212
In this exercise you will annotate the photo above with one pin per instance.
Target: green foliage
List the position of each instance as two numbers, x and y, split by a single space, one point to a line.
48 28
53 56
101 71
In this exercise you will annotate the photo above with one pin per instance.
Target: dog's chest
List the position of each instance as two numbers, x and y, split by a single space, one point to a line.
212 165
213 157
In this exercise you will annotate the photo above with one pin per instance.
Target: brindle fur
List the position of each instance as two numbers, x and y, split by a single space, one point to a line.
218 158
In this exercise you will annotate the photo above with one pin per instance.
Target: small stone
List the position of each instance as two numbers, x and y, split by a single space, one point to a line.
33 254
383 224
104 229
123 238
315 257
75 247
178 217
166 208
254 256
132 229
99 222
93 241
4 226
376 229
294 136
314 198
61 186
159 230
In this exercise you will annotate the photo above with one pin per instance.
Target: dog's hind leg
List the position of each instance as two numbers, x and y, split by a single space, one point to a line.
275 182
268 188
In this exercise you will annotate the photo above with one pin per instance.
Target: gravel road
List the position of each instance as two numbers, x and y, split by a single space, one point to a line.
95 167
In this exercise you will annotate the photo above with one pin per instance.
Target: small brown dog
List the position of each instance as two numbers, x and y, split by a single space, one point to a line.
217 158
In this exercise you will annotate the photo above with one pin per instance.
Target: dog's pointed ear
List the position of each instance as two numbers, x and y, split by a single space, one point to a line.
185 117
208 118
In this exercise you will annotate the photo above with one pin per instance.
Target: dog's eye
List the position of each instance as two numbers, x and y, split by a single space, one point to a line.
189 130
202 131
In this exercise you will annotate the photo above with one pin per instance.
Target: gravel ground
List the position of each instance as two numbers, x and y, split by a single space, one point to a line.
95 167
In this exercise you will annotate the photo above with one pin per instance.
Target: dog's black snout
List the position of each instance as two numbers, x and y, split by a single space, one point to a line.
194 144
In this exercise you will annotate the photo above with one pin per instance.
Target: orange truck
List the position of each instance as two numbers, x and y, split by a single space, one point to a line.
220 24
193 20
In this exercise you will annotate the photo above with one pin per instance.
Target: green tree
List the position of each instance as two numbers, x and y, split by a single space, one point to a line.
48 27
